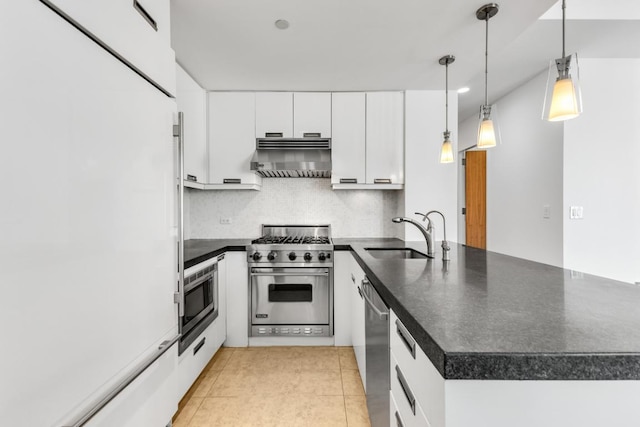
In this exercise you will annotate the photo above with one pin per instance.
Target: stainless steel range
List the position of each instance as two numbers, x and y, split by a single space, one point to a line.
291 277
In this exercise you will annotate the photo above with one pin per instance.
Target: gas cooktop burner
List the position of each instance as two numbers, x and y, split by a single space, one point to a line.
284 240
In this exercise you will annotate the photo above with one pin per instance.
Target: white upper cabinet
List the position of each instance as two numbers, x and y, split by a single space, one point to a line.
191 99
273 114
232 140
312 114
348 144
138 31
385 138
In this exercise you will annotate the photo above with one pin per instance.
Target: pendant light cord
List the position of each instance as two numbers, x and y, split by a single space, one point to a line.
486 63
564 7
446 96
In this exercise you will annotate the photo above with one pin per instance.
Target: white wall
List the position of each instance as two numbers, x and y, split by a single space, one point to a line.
602 172
351 213
429 184
524 174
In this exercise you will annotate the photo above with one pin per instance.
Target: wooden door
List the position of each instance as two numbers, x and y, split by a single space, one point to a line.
476 199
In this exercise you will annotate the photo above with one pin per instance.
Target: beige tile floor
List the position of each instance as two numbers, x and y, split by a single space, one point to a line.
276 386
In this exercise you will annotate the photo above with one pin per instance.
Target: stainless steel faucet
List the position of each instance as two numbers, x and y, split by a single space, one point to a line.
426 232
445 244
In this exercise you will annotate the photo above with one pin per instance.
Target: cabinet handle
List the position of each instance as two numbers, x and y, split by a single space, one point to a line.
311 135
348 180
273 134
199 346
406 390
141 10
192 178
382 181
406 338
232 181
398 420
353 279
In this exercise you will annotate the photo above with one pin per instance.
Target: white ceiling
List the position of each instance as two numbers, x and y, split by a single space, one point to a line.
337 45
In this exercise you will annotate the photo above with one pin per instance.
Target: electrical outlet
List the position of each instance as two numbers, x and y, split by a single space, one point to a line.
576 212
546 212
225 221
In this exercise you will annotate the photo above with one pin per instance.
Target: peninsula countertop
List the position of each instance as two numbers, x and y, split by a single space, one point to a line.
485 315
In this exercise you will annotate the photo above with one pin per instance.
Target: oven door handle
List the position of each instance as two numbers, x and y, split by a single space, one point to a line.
324 273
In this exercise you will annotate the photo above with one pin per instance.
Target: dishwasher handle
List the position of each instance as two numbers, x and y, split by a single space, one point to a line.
383 315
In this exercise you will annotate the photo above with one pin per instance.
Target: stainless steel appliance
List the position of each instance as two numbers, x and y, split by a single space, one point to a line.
277 157
291 279
377 355
200 304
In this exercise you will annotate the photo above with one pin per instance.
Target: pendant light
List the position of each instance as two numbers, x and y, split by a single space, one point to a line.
563 100
446 152
488 132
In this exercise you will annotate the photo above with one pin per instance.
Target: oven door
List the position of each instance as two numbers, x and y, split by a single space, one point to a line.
290 296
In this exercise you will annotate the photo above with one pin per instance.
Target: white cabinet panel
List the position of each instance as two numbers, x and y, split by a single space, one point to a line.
191 99
342 290
357 319
237 300
232 138
127 27
385 138
348 144
274 114
312 114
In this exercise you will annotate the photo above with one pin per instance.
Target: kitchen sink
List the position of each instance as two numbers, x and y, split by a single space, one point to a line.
395 253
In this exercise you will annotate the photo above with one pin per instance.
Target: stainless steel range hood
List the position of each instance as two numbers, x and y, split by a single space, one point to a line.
277 157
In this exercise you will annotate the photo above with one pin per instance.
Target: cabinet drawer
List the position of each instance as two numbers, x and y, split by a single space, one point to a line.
403 400
423 378
193 360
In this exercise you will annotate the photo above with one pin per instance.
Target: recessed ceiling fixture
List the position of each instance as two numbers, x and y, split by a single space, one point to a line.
463 90
282 24
488 132
446 152
564 102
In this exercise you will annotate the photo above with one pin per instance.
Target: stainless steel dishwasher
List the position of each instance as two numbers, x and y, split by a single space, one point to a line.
376 316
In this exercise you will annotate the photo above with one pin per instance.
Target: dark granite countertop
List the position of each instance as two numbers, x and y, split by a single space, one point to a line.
492 316
200 250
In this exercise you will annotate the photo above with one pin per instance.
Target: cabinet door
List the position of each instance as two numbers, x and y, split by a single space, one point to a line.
348 153
385 138
138 31
274 114
231 138
312 114
237 299
342 290
191 99
357 320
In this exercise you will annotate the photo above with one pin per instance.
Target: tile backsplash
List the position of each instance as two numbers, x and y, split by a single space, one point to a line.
351 213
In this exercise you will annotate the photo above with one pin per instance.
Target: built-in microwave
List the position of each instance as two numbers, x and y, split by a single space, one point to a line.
200 304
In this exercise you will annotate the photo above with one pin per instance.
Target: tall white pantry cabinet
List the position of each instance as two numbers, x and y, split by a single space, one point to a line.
88 222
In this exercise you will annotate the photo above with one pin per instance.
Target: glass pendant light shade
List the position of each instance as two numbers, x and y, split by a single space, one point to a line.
446 152
488 131
563 98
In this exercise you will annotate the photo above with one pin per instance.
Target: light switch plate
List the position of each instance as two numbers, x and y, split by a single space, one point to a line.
576 212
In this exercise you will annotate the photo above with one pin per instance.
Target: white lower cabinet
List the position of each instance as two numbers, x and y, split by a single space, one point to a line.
342 289
237 299
356 276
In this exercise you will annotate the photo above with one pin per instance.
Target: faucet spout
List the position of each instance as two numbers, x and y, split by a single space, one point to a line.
428 236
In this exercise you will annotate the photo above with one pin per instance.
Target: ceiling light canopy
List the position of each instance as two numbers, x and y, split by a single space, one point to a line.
282 24
563 99
463 90
488 132
446 152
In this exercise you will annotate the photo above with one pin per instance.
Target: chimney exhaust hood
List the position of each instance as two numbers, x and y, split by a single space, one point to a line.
278 157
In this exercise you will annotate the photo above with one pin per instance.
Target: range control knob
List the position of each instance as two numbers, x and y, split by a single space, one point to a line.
322 256
292 256
257 256
307 256
272 255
